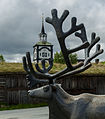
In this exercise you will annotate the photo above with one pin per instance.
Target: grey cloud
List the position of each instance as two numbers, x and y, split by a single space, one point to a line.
20 23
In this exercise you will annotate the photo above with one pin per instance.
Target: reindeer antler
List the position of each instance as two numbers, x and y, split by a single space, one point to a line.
98 51
88 58
57 24
44 69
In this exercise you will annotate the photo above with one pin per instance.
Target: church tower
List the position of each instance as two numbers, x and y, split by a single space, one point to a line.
42 49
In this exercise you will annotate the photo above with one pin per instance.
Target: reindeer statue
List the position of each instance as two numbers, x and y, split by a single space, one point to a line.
61 104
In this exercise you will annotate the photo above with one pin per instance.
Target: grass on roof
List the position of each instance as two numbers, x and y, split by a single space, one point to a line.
18 67
11 67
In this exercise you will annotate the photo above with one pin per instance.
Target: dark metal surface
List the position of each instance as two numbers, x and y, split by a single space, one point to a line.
57 23
44 69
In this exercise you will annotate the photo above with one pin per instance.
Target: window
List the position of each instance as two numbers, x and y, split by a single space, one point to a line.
44 54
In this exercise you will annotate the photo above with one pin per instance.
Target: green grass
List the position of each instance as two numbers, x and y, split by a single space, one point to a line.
96 69
11 67
102 62
18 67
20 106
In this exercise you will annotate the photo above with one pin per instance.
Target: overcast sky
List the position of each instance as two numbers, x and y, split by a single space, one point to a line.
20 24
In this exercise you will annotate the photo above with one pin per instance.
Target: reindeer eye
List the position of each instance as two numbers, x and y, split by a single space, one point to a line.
46 89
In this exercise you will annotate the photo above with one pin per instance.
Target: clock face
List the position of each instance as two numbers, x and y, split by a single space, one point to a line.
44 54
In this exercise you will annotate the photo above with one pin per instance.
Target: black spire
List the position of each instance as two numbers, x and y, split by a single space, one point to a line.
42 30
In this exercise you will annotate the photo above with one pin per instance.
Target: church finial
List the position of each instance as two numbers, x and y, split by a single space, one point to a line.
43 31
43 35
43 18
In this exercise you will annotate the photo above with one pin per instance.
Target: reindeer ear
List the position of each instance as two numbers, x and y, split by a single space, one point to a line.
53 88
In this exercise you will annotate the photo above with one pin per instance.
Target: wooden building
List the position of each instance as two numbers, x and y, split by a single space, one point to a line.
13 86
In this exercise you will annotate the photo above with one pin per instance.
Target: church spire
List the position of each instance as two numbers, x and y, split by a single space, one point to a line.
43 35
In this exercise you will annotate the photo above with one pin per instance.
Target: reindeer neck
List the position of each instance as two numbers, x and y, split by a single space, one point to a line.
55 111
60 93
58 104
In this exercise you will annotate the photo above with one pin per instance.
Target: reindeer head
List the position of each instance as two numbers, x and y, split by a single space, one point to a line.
37 77
44 92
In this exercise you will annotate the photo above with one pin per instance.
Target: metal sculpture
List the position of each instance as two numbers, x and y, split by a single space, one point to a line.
44 69
61 104
65 106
